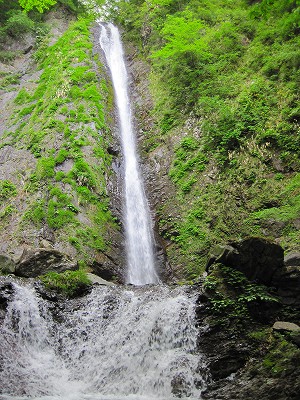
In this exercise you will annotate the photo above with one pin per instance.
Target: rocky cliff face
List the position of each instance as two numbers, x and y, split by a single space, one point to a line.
57 162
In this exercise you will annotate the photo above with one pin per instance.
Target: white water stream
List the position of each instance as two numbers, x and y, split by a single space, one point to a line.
113 344
138 231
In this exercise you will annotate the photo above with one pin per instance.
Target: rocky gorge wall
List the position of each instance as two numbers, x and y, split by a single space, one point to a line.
58 157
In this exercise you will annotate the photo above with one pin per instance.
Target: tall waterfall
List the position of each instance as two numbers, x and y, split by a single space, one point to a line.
114 344
139 237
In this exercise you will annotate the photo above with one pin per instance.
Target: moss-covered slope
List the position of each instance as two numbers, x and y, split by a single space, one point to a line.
54 150
225 85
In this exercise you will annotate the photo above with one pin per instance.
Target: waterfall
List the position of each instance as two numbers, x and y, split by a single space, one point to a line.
114 344
138 231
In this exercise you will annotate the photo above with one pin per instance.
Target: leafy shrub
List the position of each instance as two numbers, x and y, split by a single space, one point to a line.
232 293
19 24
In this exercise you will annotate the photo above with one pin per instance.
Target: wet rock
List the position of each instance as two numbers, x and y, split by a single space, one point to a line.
98 281
257 258
226 364
282 326
39 261
180 386
295 338
292 259
106 269
113 151
287 281
263 311
7 265
6 293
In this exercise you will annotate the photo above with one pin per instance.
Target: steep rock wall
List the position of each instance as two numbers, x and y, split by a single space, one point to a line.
56 158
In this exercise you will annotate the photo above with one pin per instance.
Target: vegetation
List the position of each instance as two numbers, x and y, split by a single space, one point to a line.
232 295
68 283
225 83
18 18
60 120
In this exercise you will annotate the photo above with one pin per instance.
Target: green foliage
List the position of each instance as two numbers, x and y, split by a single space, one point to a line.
83 174
22 97
6 211
7 79
69 283
225 85
231 293
7 56
19 24
61 156
45 168
40 5
7 190
60 210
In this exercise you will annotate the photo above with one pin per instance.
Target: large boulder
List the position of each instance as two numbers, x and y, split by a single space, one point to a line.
39 261
257 258
7 265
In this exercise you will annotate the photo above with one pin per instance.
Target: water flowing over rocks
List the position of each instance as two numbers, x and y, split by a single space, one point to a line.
113 343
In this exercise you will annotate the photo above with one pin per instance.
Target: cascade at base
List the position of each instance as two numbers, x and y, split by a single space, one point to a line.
113 344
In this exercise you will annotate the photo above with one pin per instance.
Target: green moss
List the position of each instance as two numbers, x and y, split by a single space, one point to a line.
282 357
45 168
61 156
22 97
69 283
7 190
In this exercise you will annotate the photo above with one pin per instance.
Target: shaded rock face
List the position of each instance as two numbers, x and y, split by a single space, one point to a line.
35 262
106 270
257 258
6 293
262 261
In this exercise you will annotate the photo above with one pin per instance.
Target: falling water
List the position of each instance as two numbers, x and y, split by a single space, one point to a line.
139 238
114 344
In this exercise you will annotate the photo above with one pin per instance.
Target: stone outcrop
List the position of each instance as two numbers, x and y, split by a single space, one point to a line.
257 258
7 264
282 326
98 281
262 261
35 262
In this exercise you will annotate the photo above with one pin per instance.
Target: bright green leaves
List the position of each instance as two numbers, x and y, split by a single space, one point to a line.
40 5
182 35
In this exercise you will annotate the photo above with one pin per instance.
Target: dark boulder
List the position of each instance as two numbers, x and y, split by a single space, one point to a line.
105 270
287 281
7 265
39 261
228 363
257 258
